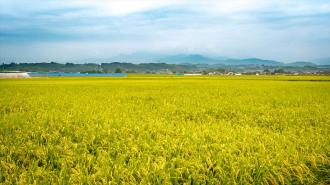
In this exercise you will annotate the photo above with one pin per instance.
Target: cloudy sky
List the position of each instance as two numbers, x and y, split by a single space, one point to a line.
285 30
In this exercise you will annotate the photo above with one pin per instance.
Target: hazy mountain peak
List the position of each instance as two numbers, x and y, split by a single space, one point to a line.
322 61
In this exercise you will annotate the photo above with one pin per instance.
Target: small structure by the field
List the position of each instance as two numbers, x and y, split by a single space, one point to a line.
192 74
14 75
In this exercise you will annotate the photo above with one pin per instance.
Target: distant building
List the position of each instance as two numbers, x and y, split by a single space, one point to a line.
14 75
192 74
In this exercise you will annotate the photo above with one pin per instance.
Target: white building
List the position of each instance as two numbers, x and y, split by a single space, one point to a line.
192 74
14 75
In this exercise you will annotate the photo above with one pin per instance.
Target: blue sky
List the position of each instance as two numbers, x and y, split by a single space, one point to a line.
58 29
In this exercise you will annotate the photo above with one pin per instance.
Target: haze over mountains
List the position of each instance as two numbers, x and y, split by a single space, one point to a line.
169 64
198 59
138 58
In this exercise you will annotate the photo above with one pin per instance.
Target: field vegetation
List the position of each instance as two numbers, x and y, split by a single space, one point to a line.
165 130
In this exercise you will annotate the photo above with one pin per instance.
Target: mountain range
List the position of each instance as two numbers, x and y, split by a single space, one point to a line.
199 59
138 58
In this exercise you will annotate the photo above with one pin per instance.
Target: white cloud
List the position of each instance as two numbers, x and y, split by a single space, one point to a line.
233 7
275 29
125 7
91 7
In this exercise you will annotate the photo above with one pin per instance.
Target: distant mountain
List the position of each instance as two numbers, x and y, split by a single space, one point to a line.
137 58
301 64
219 57
251 61
93 60
187 59
322 61
201 60
182 59
126 58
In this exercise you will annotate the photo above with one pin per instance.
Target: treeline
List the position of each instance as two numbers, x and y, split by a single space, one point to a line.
117 67
98 68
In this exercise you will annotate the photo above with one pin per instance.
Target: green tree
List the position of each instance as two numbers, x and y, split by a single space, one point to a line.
118 70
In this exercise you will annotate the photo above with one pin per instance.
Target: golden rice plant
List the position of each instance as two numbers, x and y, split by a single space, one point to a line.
165 130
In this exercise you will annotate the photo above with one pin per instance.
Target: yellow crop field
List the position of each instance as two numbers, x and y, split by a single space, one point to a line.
165 130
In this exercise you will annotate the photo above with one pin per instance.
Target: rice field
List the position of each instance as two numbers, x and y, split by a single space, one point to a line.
165 130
